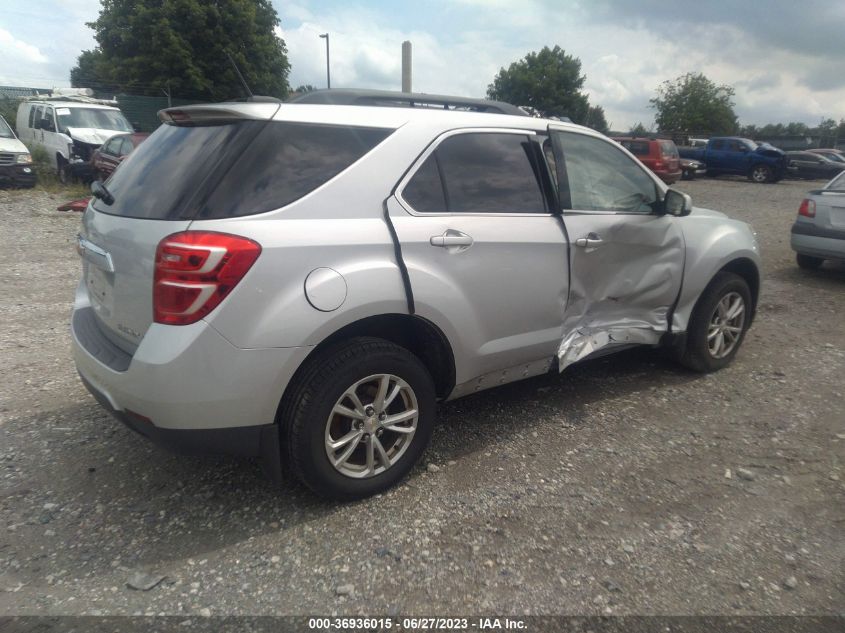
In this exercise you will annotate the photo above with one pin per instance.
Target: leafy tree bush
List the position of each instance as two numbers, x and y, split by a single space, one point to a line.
146 47
692 104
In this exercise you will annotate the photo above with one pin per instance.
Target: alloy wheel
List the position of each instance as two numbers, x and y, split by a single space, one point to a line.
726 325
371 426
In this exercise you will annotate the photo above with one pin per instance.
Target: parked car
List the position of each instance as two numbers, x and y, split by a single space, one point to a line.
69 131
303 282
15 160
659 155
812 166
110 154
691 168
819 230
831 154
732 155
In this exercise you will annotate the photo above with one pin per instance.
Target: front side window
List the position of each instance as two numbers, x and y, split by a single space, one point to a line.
479 173
638 148
603 178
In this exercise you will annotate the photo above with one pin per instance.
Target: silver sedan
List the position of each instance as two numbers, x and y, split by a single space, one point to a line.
819 230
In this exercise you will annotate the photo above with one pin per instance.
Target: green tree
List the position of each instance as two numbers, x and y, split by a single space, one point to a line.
548 81
149 46
305 88
596 119
692 104
639 130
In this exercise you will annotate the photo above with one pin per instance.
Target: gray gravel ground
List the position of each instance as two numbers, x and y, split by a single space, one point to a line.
626 485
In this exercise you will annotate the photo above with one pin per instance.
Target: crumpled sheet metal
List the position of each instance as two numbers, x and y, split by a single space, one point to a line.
579 344
622 295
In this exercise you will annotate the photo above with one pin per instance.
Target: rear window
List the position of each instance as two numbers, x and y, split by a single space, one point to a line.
235 169
668 148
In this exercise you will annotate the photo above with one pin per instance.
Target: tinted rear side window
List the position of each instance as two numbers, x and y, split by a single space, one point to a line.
490 173
285 162
424 191
638 148
236 169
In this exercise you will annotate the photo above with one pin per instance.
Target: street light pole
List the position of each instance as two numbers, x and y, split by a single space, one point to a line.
328 73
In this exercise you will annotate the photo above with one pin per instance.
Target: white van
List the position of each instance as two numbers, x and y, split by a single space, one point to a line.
70 131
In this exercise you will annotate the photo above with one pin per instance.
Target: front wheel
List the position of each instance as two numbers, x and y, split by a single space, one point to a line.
358 418
761 174
64 173
718 324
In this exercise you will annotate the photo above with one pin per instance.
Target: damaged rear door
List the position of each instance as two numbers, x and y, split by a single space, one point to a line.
626 256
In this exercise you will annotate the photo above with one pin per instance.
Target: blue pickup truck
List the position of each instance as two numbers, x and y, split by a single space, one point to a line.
733 155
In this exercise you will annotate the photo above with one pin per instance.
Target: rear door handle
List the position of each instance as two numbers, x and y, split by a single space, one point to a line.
451 238
591 241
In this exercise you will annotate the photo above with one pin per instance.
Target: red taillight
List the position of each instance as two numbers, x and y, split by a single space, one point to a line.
807 208
195 270
658 164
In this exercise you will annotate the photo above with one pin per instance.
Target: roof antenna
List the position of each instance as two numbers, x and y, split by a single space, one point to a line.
240 76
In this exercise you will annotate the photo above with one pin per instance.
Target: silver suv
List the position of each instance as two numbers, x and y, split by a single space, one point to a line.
303 282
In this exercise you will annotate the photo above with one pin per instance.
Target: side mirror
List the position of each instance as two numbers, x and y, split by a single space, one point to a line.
676 203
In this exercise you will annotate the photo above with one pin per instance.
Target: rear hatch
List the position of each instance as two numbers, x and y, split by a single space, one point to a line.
157 191
205 163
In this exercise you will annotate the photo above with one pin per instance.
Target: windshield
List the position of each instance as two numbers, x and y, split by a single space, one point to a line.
836 158
100 119
5 130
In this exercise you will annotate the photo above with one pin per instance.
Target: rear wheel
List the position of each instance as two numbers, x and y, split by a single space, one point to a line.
761 174
718 324
358 418
809 262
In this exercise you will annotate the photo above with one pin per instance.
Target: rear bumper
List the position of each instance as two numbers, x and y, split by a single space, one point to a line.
669 178
17 175
809 239
183 378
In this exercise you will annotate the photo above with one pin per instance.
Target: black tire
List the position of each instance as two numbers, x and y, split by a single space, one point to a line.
808 262
697 354
308 405
63 171
761 174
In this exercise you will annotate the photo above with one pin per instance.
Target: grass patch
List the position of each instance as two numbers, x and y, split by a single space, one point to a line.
48 180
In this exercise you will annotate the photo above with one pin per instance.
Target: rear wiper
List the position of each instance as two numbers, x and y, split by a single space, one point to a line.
99 190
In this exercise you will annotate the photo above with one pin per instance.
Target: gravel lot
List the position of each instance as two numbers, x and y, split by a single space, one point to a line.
626 485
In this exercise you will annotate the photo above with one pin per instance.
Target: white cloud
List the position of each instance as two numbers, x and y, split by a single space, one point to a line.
15 50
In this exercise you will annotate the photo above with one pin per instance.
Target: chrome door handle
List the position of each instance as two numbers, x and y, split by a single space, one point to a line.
451 238
591 241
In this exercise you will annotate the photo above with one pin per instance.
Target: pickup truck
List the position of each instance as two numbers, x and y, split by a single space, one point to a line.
761 162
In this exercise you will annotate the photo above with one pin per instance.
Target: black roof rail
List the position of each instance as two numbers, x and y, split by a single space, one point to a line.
390 99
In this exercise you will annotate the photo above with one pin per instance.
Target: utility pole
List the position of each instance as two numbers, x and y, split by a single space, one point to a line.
328 72
406 66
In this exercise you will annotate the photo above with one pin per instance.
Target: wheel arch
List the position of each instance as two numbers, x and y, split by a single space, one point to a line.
422 337
747 269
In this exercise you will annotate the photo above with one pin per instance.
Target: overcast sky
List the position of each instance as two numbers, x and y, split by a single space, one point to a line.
785 58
